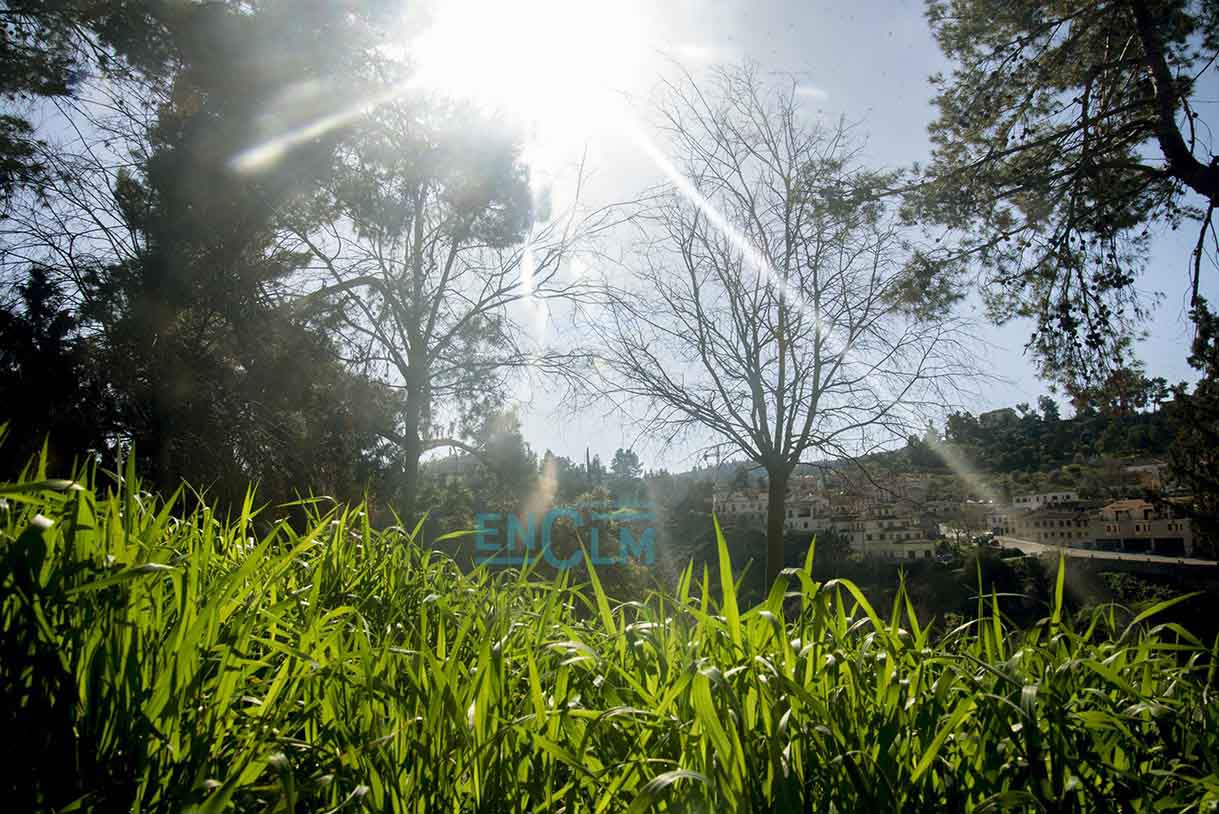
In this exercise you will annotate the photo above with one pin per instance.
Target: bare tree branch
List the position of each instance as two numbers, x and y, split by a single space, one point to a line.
786 336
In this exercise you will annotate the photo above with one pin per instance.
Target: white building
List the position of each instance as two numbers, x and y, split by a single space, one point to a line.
875 529
807 513
1140 526
1133 526
888 533
741 507
1002 521
1047 499
1056 526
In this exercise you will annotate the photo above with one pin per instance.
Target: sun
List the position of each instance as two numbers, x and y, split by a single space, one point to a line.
558 67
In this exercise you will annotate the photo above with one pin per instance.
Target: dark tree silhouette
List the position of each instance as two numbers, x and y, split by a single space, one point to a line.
1066 133
47 387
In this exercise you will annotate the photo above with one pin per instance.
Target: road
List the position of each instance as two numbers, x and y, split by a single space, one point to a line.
1089 554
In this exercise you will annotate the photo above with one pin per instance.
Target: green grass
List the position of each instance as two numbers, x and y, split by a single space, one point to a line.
156 659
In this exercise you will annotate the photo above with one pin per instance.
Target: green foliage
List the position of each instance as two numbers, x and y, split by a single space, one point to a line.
1193 456
625 464
1043 443
167 660
1130 589
507 472
1065 132
48 388
49 47
161 324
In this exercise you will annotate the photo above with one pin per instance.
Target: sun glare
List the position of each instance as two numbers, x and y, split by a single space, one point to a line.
557 67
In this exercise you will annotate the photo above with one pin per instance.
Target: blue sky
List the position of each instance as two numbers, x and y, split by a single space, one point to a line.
869 62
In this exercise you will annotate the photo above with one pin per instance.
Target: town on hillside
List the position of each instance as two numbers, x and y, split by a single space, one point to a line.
898 511
893 518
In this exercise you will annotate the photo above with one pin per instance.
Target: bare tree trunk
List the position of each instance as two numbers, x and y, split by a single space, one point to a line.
157 450
775 509
774 325
412 450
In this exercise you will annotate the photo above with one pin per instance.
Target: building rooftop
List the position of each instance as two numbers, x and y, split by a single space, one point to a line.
1127 505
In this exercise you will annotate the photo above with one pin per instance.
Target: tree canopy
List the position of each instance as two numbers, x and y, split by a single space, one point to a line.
164 263
1193 456
1066 135
789 331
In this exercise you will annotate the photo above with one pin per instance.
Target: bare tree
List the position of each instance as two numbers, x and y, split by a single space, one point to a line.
437 268
768 308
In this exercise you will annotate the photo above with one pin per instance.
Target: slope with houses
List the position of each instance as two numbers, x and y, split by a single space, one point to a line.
889 518
893 518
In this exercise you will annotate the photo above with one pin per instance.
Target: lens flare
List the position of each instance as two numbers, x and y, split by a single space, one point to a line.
267 152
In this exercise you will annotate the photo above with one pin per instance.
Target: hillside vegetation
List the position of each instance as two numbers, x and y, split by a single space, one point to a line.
163 659
1043 441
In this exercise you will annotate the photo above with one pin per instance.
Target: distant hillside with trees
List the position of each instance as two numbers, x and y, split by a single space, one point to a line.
1127 415
1038 439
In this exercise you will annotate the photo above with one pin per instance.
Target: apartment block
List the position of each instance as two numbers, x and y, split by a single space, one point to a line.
1141 527
888 532
1054 526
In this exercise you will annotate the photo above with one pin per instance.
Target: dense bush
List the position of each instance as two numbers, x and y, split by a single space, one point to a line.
163 660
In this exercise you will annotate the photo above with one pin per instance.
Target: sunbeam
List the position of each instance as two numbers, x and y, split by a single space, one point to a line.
752 256
266 153
966 472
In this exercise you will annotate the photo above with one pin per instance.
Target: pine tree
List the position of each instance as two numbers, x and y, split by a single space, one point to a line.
1194 456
